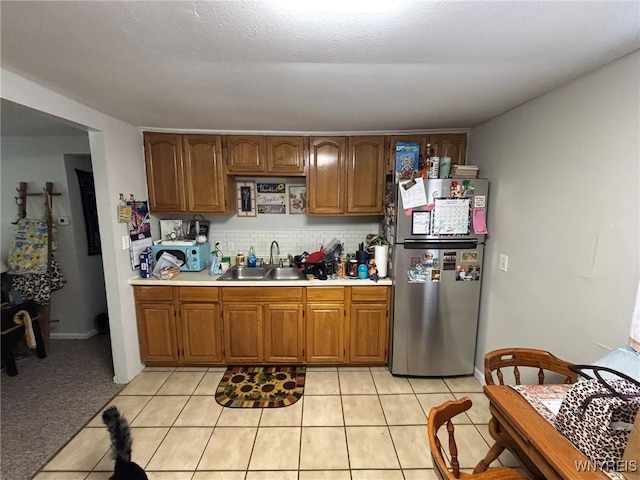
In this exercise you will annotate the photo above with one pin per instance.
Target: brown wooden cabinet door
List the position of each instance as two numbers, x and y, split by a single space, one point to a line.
325 333
285 155
453 145
394 139
245 154
368 335
326 176
204 173
365 175
283 333
201 333
165 175
243 333
157 332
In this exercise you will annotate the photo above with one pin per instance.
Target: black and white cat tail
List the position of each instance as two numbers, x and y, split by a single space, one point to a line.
121 445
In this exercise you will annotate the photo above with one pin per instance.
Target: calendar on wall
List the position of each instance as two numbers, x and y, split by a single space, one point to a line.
451 216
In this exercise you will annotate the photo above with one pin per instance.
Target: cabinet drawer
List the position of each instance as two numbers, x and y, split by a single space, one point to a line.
259 294
321 294
198 294
153 293
361 294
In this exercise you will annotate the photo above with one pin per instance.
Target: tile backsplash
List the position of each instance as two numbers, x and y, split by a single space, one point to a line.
291 242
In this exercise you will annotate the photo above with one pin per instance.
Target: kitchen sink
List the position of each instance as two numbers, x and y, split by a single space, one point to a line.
262 274
244 273
284 273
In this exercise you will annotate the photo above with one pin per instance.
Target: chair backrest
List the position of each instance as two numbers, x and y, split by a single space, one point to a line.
439 416
541 360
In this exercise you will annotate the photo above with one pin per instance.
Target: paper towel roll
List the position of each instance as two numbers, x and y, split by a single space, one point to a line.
381 256
634 334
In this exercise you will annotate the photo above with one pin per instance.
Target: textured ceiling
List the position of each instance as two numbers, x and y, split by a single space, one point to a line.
252 66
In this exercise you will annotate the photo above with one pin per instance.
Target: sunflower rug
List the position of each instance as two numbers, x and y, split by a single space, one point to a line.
261 387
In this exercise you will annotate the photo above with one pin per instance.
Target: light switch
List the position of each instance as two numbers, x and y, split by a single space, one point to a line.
504 262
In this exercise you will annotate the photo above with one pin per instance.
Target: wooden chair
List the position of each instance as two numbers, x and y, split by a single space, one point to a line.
439 416
517 359
542 360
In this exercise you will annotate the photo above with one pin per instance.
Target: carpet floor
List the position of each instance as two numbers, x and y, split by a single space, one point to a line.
50 400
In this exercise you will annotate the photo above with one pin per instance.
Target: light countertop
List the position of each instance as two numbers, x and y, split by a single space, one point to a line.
202 279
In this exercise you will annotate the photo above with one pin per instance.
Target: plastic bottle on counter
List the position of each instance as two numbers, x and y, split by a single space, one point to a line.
251 258
363 271
214 267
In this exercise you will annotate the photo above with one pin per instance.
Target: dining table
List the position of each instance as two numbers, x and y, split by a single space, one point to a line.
517 426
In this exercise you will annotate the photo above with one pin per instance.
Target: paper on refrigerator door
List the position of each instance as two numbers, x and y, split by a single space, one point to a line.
479 218
413 194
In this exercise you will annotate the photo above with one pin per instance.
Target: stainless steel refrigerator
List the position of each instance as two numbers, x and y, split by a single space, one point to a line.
439 234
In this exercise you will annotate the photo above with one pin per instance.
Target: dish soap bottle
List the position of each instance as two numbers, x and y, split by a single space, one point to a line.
214 266
251 258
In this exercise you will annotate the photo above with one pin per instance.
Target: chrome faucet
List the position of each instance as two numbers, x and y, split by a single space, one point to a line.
271 251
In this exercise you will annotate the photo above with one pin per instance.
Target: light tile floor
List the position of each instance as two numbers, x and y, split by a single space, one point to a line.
352 423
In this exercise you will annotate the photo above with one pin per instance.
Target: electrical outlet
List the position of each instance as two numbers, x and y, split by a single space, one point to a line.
231 247
504 262
126 241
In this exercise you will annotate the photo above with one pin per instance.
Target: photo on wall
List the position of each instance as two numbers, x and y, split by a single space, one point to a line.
246 206
297 199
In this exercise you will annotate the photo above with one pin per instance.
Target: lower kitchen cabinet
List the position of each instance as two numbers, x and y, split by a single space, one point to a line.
325 325
201 329
369 325
368 333
157 332
283 333
243 341
262 325
179 326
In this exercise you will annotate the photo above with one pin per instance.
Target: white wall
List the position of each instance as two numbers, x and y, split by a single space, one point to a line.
117 152
88 294
565 208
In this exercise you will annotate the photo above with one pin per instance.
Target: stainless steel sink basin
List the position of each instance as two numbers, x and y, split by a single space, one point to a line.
244 273
284 273
262 274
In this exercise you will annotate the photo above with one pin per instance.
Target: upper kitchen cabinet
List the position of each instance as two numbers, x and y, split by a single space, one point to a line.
286 156
185 174
326 176
365 175
346 176
452 145
394 139
245 154
265 155
165 172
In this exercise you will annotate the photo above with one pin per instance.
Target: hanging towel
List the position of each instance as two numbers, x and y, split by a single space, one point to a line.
38 286
28 249
23 318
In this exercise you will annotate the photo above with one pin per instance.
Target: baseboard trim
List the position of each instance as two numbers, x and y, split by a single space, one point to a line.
479 376
73 336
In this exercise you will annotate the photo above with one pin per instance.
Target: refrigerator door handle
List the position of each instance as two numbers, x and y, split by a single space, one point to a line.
441 245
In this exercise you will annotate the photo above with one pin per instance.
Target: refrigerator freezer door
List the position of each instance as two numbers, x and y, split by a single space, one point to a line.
453 195
435 317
